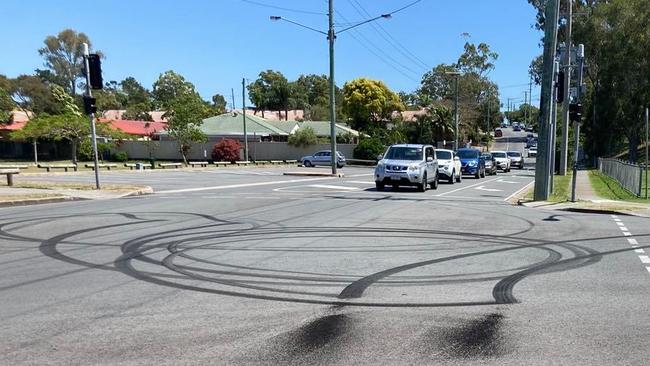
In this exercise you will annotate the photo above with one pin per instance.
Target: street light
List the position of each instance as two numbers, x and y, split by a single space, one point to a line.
331 36
457 75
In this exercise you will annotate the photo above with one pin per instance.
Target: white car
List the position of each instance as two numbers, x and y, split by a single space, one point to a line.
449 167
502 159
532 152
407 165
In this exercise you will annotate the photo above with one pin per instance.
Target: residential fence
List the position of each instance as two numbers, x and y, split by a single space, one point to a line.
629 175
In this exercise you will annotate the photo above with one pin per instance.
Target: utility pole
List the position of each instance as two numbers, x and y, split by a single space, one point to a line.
488 120
530 91
576 131
331 37
646 154
566 64
553 133
232 94
527 109
243 103
550 44
93 130
456 113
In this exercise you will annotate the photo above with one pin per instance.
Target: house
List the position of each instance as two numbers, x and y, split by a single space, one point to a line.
138 129
116 114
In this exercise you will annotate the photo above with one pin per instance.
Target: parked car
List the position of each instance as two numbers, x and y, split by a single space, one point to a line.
532 152
529 129
516 128
498 133
502 159
471 162
407 165
490 164
516 159
449 167
323 157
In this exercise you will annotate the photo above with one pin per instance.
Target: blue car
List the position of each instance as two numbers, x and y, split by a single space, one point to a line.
471 162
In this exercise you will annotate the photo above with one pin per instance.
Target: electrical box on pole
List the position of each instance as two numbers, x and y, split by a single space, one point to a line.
559 86
575 112
90 105
95 71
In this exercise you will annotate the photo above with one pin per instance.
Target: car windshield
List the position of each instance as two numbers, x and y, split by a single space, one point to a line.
404 153
468 154
487 156
499 154
443 155
514 154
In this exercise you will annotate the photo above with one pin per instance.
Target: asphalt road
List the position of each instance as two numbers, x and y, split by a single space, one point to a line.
252 267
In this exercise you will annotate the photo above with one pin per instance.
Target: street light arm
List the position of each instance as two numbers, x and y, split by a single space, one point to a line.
274 18
386 16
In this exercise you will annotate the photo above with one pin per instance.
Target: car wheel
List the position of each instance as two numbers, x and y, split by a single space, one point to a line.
483 174
452 177
380 186
478 174
422 187
434 184
307 163
459 178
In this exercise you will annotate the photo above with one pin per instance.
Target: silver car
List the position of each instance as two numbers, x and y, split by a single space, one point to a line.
407 165
516 159
323 157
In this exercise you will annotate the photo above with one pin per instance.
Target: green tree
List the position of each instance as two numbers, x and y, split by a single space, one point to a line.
6 106
436 125
369 103
35 129
135 93
303 137
169 88
34 95
138 112
219 103
271 91
63 55
185 116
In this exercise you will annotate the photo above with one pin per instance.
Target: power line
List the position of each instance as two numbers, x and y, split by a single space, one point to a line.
379 29
282 8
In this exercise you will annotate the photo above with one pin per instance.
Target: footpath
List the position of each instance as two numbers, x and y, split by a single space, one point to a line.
16 196
588 201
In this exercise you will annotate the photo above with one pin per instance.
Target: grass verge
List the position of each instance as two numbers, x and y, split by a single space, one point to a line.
74 186
560 189
610 188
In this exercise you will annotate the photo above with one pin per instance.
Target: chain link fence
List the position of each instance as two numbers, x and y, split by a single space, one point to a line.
629 175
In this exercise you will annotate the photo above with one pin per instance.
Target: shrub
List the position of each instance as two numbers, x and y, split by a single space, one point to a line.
303 137
368 149
85 150
226 150
120 156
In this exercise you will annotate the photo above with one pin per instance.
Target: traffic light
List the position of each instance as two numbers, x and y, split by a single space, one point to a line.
575 112
95 66
90 105
560 87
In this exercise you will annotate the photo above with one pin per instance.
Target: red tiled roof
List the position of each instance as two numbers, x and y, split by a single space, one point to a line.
138 128
12 126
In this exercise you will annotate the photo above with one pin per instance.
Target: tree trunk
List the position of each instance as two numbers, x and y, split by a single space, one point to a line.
633 143
182 151
35 152
74 151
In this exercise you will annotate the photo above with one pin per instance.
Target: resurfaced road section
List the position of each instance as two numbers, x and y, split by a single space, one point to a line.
252 267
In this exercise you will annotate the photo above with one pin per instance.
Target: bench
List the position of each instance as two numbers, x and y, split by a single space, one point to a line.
132 166
99 166
277 161
202 164
170 165
17 166
262 162
64 167
10 175
291 161
221 163
242 162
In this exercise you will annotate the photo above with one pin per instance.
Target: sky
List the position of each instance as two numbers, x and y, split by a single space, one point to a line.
216 43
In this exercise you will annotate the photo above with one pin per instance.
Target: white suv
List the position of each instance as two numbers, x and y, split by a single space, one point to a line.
407 165
449 166
502 159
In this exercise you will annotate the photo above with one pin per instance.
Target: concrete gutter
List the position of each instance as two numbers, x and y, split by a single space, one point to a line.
606 207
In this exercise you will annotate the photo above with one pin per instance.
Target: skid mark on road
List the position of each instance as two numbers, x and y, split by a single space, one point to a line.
633 242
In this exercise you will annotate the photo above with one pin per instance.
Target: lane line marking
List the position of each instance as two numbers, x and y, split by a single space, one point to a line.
481 188
614 216
519 191
360 175
644 259
470 186
641 251
620 224
243 185
648 268
623 228
632 241
617 220
627 233
335 187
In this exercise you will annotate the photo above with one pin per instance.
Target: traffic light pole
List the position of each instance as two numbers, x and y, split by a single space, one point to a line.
564 143
93 130
581 60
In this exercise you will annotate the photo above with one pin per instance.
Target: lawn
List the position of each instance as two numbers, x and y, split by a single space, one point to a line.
560 192
609 188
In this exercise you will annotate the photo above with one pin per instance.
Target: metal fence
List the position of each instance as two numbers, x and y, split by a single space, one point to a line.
629 175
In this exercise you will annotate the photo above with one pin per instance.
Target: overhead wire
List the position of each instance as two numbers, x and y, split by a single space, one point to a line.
300 11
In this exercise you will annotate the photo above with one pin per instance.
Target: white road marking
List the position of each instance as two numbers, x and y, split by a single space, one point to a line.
460 189
244 185
481 188
623 228
360 182
335 187
360 175
620 224
519 191
617 220
644 259
614 217
641 251
648 268
627 233
506 181
632 241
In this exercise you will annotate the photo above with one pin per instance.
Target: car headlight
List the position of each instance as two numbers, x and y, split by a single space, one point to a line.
472 163
413 168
